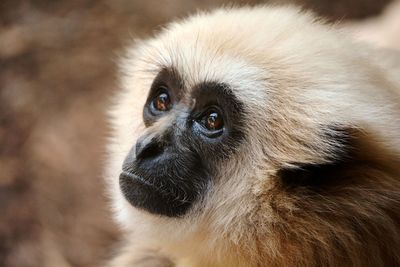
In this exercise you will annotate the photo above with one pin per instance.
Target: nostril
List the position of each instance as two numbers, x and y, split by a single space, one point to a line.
149 150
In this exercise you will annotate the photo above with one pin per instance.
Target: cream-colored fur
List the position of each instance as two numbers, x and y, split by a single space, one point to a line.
297 77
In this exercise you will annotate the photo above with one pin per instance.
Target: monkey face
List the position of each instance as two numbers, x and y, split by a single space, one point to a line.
205 117
188 133
237 127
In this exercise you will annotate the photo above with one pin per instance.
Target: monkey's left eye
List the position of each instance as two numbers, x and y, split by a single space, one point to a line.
212 122
162 102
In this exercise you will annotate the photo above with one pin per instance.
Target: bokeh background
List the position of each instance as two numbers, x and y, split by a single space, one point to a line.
57 75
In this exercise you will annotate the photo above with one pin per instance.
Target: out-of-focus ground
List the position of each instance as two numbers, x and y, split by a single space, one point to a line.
57 74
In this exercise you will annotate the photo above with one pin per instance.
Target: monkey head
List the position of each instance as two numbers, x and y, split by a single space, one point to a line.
256 137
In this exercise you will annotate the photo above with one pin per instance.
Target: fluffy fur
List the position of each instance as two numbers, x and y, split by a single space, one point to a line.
310 93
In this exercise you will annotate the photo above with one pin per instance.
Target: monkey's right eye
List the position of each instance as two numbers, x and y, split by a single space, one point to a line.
162 102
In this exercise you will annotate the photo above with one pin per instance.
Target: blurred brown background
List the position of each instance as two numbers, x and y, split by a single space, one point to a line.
57 74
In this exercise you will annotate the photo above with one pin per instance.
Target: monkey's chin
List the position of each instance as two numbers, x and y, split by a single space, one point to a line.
144 195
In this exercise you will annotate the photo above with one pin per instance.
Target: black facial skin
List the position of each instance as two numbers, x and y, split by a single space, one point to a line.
166 173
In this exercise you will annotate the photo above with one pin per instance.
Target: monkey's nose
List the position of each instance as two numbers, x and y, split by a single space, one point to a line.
148 148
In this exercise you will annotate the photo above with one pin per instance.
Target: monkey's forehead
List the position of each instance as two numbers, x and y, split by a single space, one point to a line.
196 62
239 46
255 51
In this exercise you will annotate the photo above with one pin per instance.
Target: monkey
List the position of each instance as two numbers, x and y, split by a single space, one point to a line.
255 136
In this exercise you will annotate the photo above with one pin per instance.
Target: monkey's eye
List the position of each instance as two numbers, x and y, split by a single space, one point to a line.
162 102
213 121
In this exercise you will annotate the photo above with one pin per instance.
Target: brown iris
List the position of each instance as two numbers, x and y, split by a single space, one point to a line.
213 121
162 102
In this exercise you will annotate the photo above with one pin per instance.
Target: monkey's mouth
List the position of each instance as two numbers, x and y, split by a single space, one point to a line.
140 179
143 194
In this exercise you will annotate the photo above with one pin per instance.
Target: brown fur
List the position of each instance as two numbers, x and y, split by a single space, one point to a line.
352 219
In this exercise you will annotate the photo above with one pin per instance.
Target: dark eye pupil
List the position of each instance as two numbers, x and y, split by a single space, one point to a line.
214 121
162 102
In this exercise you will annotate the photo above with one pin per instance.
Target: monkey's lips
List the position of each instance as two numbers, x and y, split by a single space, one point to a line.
143 194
